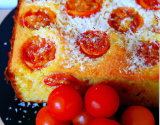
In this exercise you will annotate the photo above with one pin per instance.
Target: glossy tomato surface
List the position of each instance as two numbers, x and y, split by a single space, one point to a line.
65 102
101 100
83 118
103 121
83 7
137 115
45 118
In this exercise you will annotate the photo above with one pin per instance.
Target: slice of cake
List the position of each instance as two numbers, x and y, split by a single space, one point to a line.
86 42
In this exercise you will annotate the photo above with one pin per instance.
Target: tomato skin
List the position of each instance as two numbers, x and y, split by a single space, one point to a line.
83 118
103 121
137 115
101 100
65 102
45 118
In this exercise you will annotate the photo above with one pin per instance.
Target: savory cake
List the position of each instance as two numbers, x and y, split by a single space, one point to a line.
86 42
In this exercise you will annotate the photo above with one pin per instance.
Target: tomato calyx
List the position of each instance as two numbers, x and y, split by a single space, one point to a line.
124 19
83 8
36 19
93 43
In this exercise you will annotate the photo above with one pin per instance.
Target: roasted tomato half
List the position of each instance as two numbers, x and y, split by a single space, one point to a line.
82 8
125 19
94 43
37 19
36 52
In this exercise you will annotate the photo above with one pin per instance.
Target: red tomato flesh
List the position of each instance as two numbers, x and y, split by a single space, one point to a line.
124 19
93 43
82 7
36 52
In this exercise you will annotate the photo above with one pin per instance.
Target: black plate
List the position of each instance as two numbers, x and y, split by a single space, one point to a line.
13 111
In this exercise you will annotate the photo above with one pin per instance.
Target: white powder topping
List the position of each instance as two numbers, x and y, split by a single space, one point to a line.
21 104
71 27
5 43
44 104
35 105
19 121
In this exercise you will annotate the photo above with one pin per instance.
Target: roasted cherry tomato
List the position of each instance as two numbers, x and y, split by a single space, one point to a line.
83 118
101 100
103 121
149 52
36 52
137 115
60 79
66 79
124 19
65 102
45 118
40 18
83 7
149 4
94 43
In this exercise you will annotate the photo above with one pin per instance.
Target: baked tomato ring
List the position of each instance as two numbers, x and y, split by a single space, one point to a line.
149 52
149 4
36 52
37 19
124 19
94 43
60 79
83 8
155 27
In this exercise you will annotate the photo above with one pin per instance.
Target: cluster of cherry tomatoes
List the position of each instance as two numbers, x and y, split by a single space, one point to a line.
66 106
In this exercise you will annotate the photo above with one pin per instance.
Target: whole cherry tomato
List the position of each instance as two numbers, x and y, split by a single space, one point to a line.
101 100
103 121
137 115
65 102
45 118
83 118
